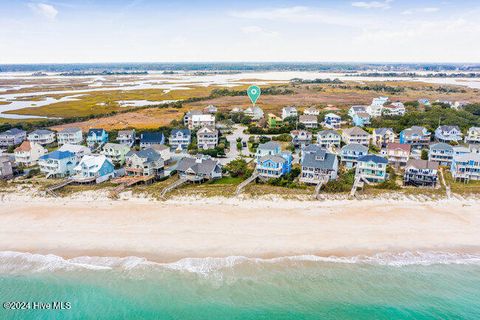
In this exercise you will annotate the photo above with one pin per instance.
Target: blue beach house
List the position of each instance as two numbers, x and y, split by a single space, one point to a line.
96 137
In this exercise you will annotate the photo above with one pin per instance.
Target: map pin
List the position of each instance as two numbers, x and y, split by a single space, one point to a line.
253 93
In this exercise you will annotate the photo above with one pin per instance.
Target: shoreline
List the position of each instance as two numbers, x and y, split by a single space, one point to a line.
168 231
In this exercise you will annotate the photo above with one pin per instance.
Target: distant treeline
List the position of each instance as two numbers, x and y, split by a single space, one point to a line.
237 66
418 75
102 73
315 81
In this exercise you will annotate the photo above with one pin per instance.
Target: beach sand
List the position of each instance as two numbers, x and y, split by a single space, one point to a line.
176 229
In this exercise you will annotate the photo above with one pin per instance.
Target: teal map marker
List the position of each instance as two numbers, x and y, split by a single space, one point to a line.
253 93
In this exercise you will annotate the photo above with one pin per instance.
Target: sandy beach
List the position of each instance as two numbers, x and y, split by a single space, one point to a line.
176 229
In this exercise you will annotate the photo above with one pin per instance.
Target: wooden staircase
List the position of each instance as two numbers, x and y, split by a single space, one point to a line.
173 186
51 190
244 183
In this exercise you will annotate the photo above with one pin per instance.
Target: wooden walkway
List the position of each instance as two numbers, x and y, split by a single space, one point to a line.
128 181
173 186
244 183
51 190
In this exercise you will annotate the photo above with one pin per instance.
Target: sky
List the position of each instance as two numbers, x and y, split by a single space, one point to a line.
74 31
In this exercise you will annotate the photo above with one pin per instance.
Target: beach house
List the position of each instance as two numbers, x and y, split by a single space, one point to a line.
41 136
361 119
274 121
441 152
356 135
466 167
57 164
274 166
350 153
96 137
310 122
473 135
448 134
269 148
207 138
180 139
6 167
201 120
394 109
288 112
301 137
188 116
28 153
92 168
421 173
255 113
12 137
398 154
148 139
318 165
383 136
146 162
78 150
376 107
126 137
115 152
356 109
329 139
199 169
311 111
372 168
332 121
72 135
418 137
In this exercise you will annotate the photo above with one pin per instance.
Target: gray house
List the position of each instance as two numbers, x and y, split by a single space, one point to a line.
421 173
12 137
442 153
179 139
351 152
318 165
199 169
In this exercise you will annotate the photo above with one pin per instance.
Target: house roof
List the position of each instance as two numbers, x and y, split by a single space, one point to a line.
308 118
207 129
441 145
194 112
320 159
414 130
401 146
74 148
126 132
382 131
289 109
448 128
359 108
271 145
422 164
148 153
332 115
355 147
274 158
92 162
300 132
115 146
57 155
198 165
70 130
13 131
373 158
185 132
474 129
363 114
25 146
41 132
356 131
327 132
465 157
97 132
152 137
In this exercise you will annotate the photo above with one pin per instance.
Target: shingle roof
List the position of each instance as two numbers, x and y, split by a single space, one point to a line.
97 132
373 158
422 164
184 131
308 118
25 146
271 145
13 131
327 132
274 158
402 146
441 145
148 153
70 130
152 137
318 158
448 128
202 166
382 131
356 131
41 131
355 147
58 155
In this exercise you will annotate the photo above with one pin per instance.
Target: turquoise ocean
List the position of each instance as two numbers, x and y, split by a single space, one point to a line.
417 285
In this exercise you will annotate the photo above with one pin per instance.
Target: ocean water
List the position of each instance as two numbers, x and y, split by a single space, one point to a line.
403 286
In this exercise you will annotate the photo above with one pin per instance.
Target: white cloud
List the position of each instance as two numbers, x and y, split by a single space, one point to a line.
300 14
421 10
258 31
372 4
45 10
